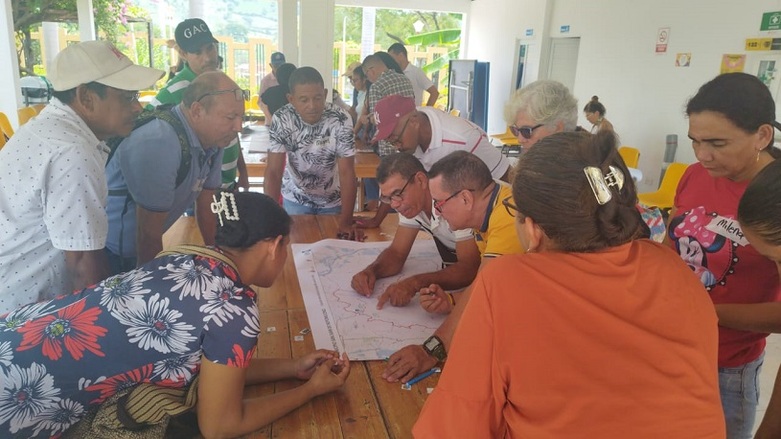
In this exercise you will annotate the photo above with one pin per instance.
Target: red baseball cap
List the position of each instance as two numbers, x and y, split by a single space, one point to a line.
387 113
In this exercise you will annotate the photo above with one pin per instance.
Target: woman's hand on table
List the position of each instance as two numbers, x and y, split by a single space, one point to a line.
407 363
330 375
305 366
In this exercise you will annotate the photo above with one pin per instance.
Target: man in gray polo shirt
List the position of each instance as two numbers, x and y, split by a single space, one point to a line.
144 197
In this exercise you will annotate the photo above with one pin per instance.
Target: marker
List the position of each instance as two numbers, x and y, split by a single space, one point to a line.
420 377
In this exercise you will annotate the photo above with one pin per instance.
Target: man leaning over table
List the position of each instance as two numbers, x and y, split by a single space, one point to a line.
465 194
430 134
311 158
144 197
53 189
404 186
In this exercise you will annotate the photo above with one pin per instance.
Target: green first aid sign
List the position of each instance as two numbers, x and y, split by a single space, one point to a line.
771 21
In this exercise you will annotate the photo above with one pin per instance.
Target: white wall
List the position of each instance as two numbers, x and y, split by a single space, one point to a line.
644 92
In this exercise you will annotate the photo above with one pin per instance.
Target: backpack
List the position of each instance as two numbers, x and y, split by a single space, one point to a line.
164 113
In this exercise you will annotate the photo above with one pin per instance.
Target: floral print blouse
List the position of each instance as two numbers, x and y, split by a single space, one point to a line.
60 358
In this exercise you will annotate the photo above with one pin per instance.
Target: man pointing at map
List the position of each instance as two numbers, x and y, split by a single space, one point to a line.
404 186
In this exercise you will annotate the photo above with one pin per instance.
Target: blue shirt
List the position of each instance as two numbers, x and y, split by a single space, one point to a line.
146 164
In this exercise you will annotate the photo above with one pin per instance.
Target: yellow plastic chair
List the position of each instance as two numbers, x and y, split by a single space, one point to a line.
507 138
25 114
664 197
5 126
630 155
38 108
2 140
455 112
252 109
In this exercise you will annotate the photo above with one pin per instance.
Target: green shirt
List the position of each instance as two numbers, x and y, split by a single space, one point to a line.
173 90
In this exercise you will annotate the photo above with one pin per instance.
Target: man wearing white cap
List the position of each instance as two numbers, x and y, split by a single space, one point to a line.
53 192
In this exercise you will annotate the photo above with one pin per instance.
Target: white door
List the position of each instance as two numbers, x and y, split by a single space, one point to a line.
563 60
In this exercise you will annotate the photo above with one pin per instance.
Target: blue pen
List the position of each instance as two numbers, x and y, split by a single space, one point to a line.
420 377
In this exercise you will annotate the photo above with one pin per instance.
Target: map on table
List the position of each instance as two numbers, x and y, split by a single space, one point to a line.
345 321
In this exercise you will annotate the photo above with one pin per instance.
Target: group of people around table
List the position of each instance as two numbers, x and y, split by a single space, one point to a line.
563 318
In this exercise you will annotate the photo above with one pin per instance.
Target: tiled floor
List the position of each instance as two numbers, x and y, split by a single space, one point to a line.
768 374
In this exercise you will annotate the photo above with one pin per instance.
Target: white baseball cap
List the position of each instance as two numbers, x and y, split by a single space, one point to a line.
101 62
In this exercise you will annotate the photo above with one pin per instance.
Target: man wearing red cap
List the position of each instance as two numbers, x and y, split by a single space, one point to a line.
53 190
430 134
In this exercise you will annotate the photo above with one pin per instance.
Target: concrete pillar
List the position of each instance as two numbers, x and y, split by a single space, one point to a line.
86 20
317 38
287 42
198 10
10 92
368 25
51 42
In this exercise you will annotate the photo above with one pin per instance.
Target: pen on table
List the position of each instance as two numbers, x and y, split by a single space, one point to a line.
422 376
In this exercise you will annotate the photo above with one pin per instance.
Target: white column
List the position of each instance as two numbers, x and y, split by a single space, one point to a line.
198 10
86 20
317 38
51 42
288 30
10 93
368 24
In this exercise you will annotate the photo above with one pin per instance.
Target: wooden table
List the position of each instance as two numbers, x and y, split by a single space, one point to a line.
367 406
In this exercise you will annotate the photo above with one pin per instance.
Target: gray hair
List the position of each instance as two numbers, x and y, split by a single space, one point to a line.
546 102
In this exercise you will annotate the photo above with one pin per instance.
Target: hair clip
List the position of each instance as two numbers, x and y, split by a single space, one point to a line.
220 207
600 183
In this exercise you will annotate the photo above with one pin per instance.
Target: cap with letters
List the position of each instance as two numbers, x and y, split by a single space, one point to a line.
192 34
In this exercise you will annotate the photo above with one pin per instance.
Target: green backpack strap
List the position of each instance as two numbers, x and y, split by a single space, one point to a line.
189 249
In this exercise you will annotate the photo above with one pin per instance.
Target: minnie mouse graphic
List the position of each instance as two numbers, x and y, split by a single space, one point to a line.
710 255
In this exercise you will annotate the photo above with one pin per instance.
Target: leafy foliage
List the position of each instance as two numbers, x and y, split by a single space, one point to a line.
110 19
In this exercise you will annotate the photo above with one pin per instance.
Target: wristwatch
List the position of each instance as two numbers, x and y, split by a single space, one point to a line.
434 347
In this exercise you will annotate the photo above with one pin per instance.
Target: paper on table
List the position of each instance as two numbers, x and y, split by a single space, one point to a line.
345 321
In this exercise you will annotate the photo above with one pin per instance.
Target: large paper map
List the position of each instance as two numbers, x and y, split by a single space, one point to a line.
346 321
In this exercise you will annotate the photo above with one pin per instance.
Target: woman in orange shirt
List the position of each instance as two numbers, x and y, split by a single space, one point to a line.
594 332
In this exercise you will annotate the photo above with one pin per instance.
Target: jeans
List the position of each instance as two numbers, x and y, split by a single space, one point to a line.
371 188
739 388
293 208
118 264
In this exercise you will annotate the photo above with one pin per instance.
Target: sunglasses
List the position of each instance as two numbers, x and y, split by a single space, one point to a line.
239 94
524 131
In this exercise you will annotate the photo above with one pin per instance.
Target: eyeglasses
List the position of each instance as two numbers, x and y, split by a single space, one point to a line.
524 131
241 95
127 96
398 195
512 210
438 205
397 141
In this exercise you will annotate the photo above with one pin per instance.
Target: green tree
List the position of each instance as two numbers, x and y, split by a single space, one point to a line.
29 14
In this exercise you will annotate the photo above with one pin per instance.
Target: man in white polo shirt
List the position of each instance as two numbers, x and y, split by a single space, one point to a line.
404 186
53 191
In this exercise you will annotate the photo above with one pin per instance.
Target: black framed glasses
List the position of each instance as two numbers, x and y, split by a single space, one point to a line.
241 95
439 205
396 196
397 141
512 209
524 131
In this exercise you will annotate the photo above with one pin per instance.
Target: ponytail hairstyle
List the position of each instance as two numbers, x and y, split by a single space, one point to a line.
760 207
551 187
594 106
259 218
